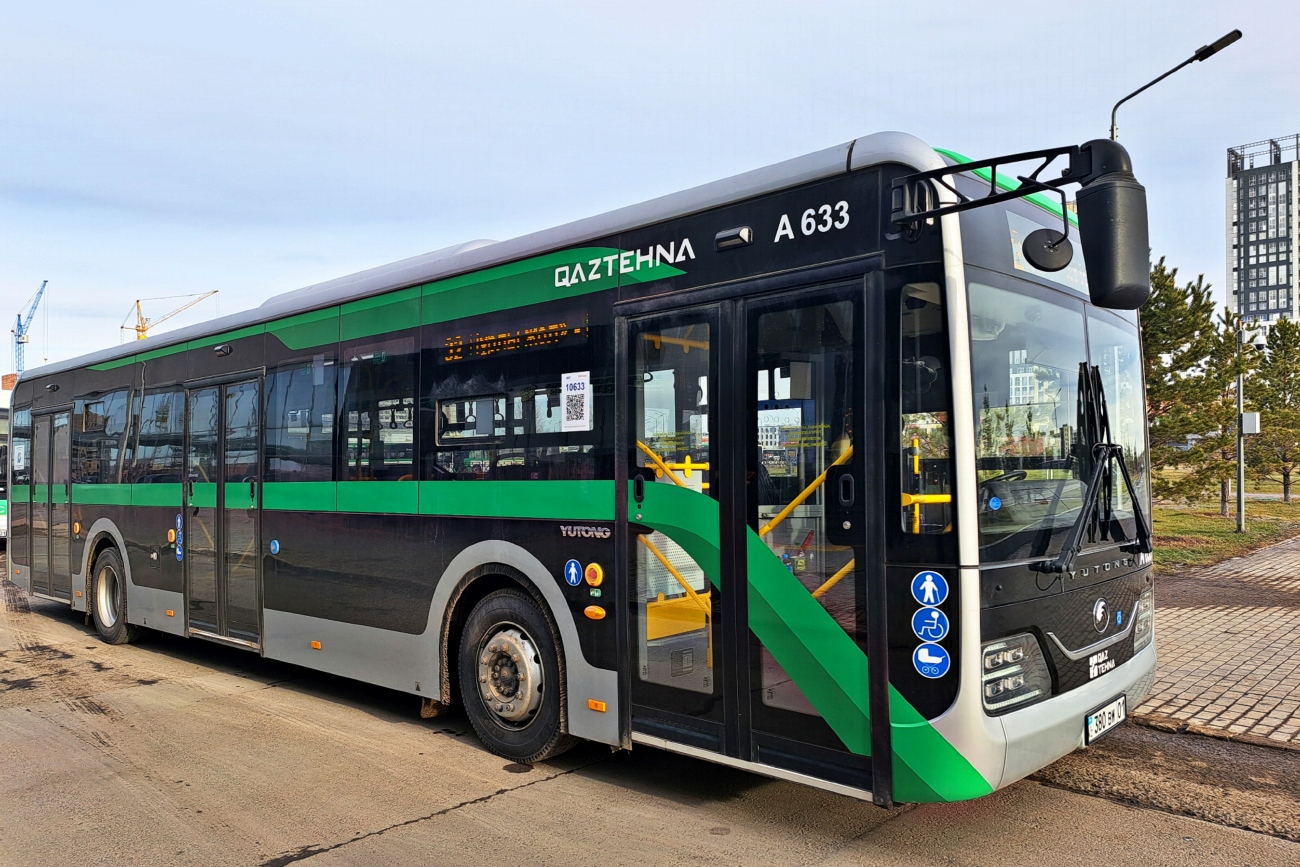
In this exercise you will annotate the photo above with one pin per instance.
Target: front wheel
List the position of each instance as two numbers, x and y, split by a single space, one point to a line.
108 596
510 678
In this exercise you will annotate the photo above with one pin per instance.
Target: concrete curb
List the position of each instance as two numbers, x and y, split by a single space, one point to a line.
1177 726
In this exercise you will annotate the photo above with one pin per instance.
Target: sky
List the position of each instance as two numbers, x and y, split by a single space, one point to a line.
156 149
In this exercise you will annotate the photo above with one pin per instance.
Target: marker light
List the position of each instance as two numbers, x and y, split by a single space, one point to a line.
598 706
1144 623
595 612
315 645
1014 673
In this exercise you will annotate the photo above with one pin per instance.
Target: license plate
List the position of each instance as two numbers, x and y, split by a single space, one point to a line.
1103 719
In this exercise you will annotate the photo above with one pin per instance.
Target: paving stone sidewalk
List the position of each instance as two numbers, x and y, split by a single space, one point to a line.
1228 639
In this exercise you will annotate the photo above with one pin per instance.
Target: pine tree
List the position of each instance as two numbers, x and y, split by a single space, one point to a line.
1191 361
1274 454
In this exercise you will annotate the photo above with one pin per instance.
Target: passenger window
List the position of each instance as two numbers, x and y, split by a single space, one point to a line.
99 437
378 417
158 441
926 458
300 414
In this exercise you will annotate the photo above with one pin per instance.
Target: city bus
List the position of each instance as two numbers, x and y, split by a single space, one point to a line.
4 475
834 471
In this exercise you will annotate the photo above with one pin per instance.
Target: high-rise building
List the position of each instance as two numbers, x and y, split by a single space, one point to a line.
1263 230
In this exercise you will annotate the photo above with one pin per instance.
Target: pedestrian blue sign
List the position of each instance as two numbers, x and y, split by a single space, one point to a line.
929 588
931 661
573 573
178 522
930 624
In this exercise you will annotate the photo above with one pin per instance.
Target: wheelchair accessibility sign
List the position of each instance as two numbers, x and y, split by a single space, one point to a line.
930 624
931 660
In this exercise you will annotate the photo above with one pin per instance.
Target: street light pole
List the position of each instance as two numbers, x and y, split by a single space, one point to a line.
1205 52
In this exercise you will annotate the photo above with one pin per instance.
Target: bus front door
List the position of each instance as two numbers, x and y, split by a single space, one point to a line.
51 525
223 480
752 464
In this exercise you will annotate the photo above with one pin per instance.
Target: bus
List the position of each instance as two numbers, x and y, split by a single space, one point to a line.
4 475
834 471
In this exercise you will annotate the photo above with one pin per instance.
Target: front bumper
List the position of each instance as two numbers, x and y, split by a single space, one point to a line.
1044 732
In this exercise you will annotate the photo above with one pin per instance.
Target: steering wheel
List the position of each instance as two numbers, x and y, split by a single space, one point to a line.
1012 476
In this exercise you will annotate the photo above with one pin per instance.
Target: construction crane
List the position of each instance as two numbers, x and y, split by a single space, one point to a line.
142 325
21 329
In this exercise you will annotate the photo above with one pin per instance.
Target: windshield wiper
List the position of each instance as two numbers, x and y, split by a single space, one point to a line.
1095 420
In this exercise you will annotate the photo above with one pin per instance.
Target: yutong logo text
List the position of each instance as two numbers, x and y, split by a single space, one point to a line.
584 532
624 263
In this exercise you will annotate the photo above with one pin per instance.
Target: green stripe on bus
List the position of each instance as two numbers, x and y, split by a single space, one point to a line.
202 495
380 498
823 661
20 493
164 494
300 496
588 500
101 495
315 328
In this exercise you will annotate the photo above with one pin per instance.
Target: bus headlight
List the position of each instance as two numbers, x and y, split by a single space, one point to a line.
1014 673
1144 626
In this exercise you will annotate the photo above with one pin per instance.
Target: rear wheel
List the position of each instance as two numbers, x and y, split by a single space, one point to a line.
510 678
108 595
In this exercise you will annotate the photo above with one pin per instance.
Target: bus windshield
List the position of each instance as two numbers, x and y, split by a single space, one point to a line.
1030 349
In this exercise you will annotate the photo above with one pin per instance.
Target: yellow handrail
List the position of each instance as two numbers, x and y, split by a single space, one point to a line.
659 462
833 580
690 591
807 492
658 340
925 499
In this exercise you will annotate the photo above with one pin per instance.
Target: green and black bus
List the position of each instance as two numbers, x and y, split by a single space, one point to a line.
4 474
834 471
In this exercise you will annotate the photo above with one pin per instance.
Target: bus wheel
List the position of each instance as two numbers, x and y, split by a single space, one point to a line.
510 678
108 596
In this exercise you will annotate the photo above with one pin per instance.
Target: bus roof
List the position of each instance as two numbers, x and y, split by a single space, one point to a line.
875 149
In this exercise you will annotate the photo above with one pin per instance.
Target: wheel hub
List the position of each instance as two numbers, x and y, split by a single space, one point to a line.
510 675
106 597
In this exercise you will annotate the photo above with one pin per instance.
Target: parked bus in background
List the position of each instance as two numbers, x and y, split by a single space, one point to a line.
834 471
4 474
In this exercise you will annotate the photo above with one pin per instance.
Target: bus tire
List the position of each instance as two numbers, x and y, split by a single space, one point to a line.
108 599
510 678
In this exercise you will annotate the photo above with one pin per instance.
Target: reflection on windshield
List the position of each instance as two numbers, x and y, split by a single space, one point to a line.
1033 445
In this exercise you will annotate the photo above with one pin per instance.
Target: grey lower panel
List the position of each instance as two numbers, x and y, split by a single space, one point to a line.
148 606
1042 733
395 660
21 575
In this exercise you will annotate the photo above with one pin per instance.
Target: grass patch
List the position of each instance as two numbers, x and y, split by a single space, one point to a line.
1198 535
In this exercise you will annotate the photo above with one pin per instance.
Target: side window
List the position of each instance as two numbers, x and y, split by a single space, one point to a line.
925 417
378 414
300 411
21 447
158 443
99 428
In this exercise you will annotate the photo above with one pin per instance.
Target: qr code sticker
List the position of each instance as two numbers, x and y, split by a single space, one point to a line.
574 406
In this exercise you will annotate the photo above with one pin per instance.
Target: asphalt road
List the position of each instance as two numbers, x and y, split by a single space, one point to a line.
182 752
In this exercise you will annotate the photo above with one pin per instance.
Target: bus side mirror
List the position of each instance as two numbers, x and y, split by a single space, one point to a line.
1113 229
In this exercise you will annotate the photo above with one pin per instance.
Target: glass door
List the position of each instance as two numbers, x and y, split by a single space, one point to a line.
752 473
220 536
677 586
807 436
51 524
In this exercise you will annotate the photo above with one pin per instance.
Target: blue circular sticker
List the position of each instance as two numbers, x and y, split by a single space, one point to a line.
931 660
275 546
573 573
929 588
178 523
930 624
995 503
180 552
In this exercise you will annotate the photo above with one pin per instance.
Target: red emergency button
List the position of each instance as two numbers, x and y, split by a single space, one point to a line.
594 574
